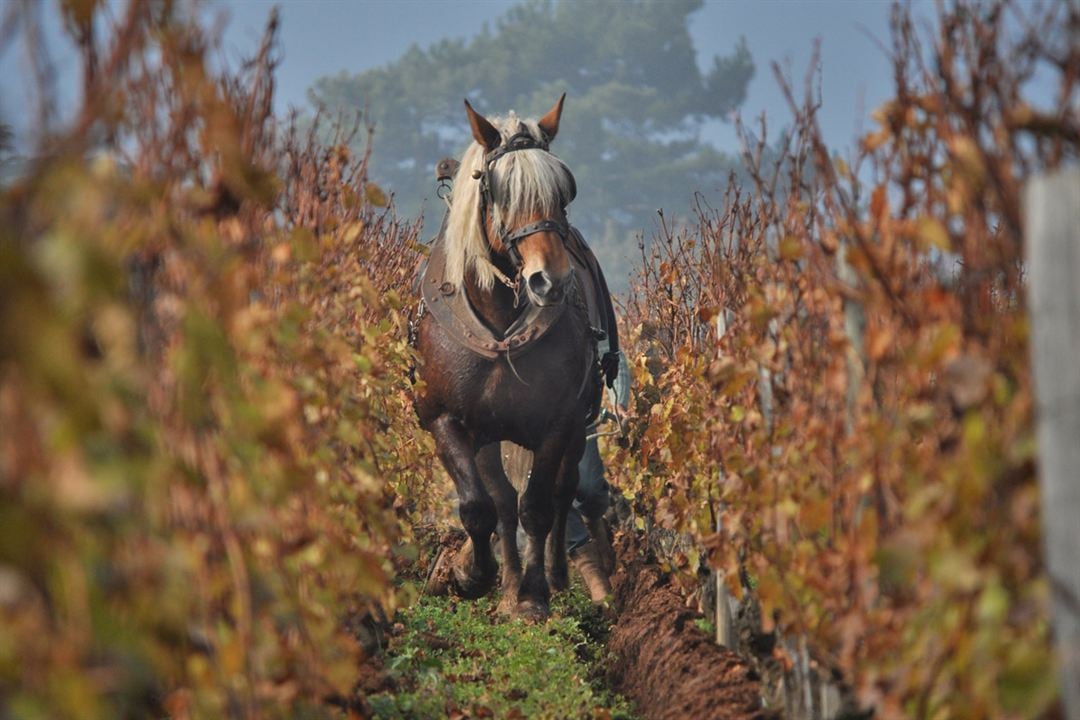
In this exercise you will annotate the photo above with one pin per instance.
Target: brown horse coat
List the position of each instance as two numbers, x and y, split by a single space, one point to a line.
512 363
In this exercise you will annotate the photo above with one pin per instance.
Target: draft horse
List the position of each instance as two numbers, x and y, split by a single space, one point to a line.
507 352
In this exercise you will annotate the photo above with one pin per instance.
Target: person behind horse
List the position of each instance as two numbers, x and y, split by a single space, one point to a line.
587 541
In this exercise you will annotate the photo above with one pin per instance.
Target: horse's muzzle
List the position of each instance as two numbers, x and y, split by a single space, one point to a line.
544 290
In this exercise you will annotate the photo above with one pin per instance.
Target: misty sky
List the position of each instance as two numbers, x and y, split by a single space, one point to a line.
322 37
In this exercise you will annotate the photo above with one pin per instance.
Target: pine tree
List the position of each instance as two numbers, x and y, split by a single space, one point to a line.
636 105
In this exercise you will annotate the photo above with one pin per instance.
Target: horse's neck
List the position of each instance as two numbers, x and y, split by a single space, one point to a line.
495 306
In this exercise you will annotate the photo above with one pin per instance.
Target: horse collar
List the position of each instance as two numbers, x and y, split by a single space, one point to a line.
450 308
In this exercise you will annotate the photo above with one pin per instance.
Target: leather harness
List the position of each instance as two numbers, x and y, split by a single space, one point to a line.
450 307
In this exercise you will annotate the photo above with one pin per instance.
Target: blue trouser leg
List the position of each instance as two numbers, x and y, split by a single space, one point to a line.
592 496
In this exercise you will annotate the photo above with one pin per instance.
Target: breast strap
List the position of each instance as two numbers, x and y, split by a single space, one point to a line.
451 309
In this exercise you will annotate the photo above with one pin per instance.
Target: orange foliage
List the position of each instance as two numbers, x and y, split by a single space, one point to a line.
203 395
836 394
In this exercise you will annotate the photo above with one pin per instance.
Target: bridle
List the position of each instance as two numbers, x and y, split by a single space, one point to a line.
509 239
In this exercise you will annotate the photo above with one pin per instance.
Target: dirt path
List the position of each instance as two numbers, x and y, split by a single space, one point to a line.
458 659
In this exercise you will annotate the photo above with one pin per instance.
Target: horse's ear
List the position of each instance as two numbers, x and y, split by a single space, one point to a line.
482 130
550 122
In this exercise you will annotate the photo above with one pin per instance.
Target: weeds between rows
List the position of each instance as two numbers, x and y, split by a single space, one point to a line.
451 658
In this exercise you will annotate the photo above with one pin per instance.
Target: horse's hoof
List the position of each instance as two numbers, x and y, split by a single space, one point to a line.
509 592
531 611
507 606
472 588
438 587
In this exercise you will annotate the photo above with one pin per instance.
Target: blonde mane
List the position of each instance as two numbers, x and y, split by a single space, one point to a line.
523 182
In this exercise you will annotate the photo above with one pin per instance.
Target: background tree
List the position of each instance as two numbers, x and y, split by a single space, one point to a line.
637 102
7 151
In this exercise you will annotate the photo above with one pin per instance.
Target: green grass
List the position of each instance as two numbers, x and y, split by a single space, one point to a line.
460 658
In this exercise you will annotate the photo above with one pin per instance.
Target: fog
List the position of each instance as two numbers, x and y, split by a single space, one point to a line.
326 37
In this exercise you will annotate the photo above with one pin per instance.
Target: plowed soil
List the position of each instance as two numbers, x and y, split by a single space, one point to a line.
662 661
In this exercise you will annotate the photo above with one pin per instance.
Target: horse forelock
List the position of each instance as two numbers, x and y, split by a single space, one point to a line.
524 183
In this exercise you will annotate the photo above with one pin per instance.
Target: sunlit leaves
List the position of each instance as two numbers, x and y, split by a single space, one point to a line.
846 389
202 403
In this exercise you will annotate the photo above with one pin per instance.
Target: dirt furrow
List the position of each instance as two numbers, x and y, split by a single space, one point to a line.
662 661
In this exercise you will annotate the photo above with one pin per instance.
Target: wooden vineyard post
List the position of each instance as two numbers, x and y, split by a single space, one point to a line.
1052 235
725 636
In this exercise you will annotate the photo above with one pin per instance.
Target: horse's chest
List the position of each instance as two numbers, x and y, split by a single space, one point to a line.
508 389
497 399
520 399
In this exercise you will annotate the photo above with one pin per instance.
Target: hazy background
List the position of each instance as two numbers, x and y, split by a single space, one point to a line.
325 37
616 204
347 41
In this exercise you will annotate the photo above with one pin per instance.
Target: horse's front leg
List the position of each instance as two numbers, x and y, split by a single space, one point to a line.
489 463
476 509
538 513
565 489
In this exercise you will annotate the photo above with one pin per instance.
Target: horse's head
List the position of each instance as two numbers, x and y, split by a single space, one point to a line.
510 196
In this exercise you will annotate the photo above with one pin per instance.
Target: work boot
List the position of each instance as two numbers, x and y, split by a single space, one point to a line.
598 530
587 561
